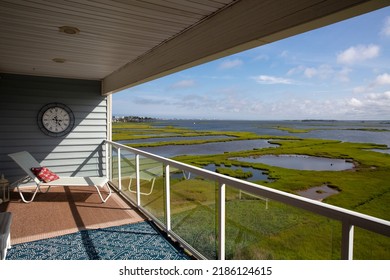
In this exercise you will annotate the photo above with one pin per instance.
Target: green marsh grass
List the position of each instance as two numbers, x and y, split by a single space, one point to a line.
281 231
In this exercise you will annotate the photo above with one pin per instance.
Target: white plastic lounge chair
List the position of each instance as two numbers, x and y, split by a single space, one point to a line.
147 175
26 161
150 175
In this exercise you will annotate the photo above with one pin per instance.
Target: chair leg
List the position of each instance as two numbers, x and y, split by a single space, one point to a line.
22 196
144 193
44 191
129 187
34 194
100 195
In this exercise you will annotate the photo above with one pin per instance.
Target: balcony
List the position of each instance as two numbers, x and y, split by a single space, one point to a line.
202 213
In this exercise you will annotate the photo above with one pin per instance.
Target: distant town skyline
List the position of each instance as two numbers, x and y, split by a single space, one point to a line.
340 71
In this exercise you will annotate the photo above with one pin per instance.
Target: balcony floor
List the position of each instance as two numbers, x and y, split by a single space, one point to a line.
73 210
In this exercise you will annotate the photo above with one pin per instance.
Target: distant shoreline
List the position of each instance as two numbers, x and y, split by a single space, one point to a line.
382 121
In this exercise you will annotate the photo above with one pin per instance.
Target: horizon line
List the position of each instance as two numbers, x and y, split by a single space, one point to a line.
223 119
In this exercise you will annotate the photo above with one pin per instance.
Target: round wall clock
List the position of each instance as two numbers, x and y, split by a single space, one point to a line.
55 119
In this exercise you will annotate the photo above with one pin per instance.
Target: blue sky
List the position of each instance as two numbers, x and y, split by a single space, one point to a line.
341 71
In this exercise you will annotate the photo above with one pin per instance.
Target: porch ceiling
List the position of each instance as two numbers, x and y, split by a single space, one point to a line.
124 43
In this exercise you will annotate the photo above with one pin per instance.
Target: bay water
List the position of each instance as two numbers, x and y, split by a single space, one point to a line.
377 132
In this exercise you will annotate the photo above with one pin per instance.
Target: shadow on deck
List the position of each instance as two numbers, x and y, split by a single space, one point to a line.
72 223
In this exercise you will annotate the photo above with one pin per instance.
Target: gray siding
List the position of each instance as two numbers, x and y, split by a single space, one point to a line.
80 153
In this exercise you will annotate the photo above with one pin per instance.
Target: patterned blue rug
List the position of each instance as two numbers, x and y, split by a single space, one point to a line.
140 241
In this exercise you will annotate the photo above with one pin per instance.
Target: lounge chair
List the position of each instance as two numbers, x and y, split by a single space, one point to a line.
147 175
26 161
150 175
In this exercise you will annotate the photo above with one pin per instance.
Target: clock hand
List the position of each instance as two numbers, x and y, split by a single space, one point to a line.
57 121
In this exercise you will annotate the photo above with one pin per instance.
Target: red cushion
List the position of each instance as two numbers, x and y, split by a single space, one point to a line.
44 174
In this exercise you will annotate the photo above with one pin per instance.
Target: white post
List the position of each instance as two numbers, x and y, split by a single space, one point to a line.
221 223
119 170
138 180
168 198
109 138
347 241
108 161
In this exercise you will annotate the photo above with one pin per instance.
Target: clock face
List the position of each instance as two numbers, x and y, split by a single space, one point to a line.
55 119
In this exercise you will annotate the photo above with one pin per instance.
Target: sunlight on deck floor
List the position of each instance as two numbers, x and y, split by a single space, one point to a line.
77 215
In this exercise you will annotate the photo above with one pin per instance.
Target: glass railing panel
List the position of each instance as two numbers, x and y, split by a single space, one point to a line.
369 245
128 179
193 211
114 165
259 228
152 187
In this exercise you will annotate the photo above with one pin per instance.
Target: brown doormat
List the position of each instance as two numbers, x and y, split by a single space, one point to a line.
65 210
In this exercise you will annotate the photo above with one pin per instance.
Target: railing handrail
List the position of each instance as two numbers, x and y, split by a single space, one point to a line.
346 216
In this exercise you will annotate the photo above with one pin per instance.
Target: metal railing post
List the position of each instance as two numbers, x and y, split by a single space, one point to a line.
221 223
138 180
347 241
167 198
119 170
108 161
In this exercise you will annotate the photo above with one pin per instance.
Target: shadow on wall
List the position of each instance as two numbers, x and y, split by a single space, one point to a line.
78 153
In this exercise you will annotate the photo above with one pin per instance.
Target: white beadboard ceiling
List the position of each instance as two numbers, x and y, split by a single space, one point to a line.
127 42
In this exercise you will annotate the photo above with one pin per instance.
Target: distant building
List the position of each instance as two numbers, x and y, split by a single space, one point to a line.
131 119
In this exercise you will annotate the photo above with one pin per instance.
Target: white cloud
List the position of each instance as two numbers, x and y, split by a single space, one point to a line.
271 80
375 105
358 53
310 72
379 98
380 80
369 106
183 84
296 70
360 89
261 57
354 102
383 79
228 64
284 54
233 103
386 27
323 72
343 74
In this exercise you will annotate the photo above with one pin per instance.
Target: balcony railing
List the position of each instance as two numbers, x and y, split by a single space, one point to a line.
219 217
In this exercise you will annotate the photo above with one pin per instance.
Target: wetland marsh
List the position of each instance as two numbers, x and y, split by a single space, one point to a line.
362 185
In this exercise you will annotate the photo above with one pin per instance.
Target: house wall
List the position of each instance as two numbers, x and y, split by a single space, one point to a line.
79 153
